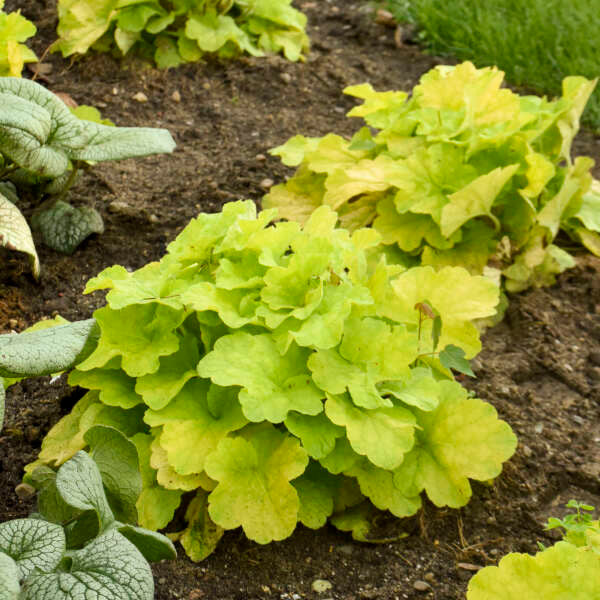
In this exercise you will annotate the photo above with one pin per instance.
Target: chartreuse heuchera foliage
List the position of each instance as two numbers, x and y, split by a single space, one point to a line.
285 374
569 569
14 30
179 31
42 147
460 172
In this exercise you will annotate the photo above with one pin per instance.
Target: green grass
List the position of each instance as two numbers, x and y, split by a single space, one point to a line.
535 42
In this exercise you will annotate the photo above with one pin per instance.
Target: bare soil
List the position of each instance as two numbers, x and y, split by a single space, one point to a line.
540 368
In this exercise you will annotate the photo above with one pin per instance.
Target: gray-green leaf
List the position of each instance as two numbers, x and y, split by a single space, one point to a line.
64 227
9 578
32 544
15 233
40 134
79 483
153 546
117 460
47 351
110 567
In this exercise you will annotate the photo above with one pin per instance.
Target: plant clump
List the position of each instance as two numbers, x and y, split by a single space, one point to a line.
180 31
285 374
460 172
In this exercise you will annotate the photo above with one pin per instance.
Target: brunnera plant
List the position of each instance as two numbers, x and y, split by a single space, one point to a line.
74 546
460 172
282 374
43 146
178 31
83 541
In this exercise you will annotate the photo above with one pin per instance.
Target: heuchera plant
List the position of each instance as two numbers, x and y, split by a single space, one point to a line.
568 569
42 146
285 374
460 172
14 30
179 31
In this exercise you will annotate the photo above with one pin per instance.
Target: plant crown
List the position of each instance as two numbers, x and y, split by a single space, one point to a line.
179 31
568 569
14 30
42 146
460 172
286 373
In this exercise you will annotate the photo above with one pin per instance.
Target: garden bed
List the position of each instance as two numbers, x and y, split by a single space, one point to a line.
540 368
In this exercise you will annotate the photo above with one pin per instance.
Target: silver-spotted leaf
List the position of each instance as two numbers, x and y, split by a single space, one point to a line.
32 544
15 233
63 227
108 567
47 351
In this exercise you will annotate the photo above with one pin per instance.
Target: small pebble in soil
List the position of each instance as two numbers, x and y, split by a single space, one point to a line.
266 183
140 97
176 96
260 157
286 77
429 576
321 585
421 586
539 427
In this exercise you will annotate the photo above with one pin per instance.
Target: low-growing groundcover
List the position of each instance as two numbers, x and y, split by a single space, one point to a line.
569 569
285 375
461 172
179 31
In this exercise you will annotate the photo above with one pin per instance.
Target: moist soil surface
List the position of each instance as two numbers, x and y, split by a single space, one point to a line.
540 367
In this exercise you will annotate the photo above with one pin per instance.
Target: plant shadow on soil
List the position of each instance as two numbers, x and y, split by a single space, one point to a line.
540 368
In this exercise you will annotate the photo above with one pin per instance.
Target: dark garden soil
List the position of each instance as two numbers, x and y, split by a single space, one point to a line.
540 368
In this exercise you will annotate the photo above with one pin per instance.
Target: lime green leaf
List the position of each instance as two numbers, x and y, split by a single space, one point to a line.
341 458
201 536
317 433
167 477
462 438
334 374
191 428
383 435
478 299
420 389
254 489
140 334
378 485
562 571
158 389
155 505
116 387
272 386
316 489
475 199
